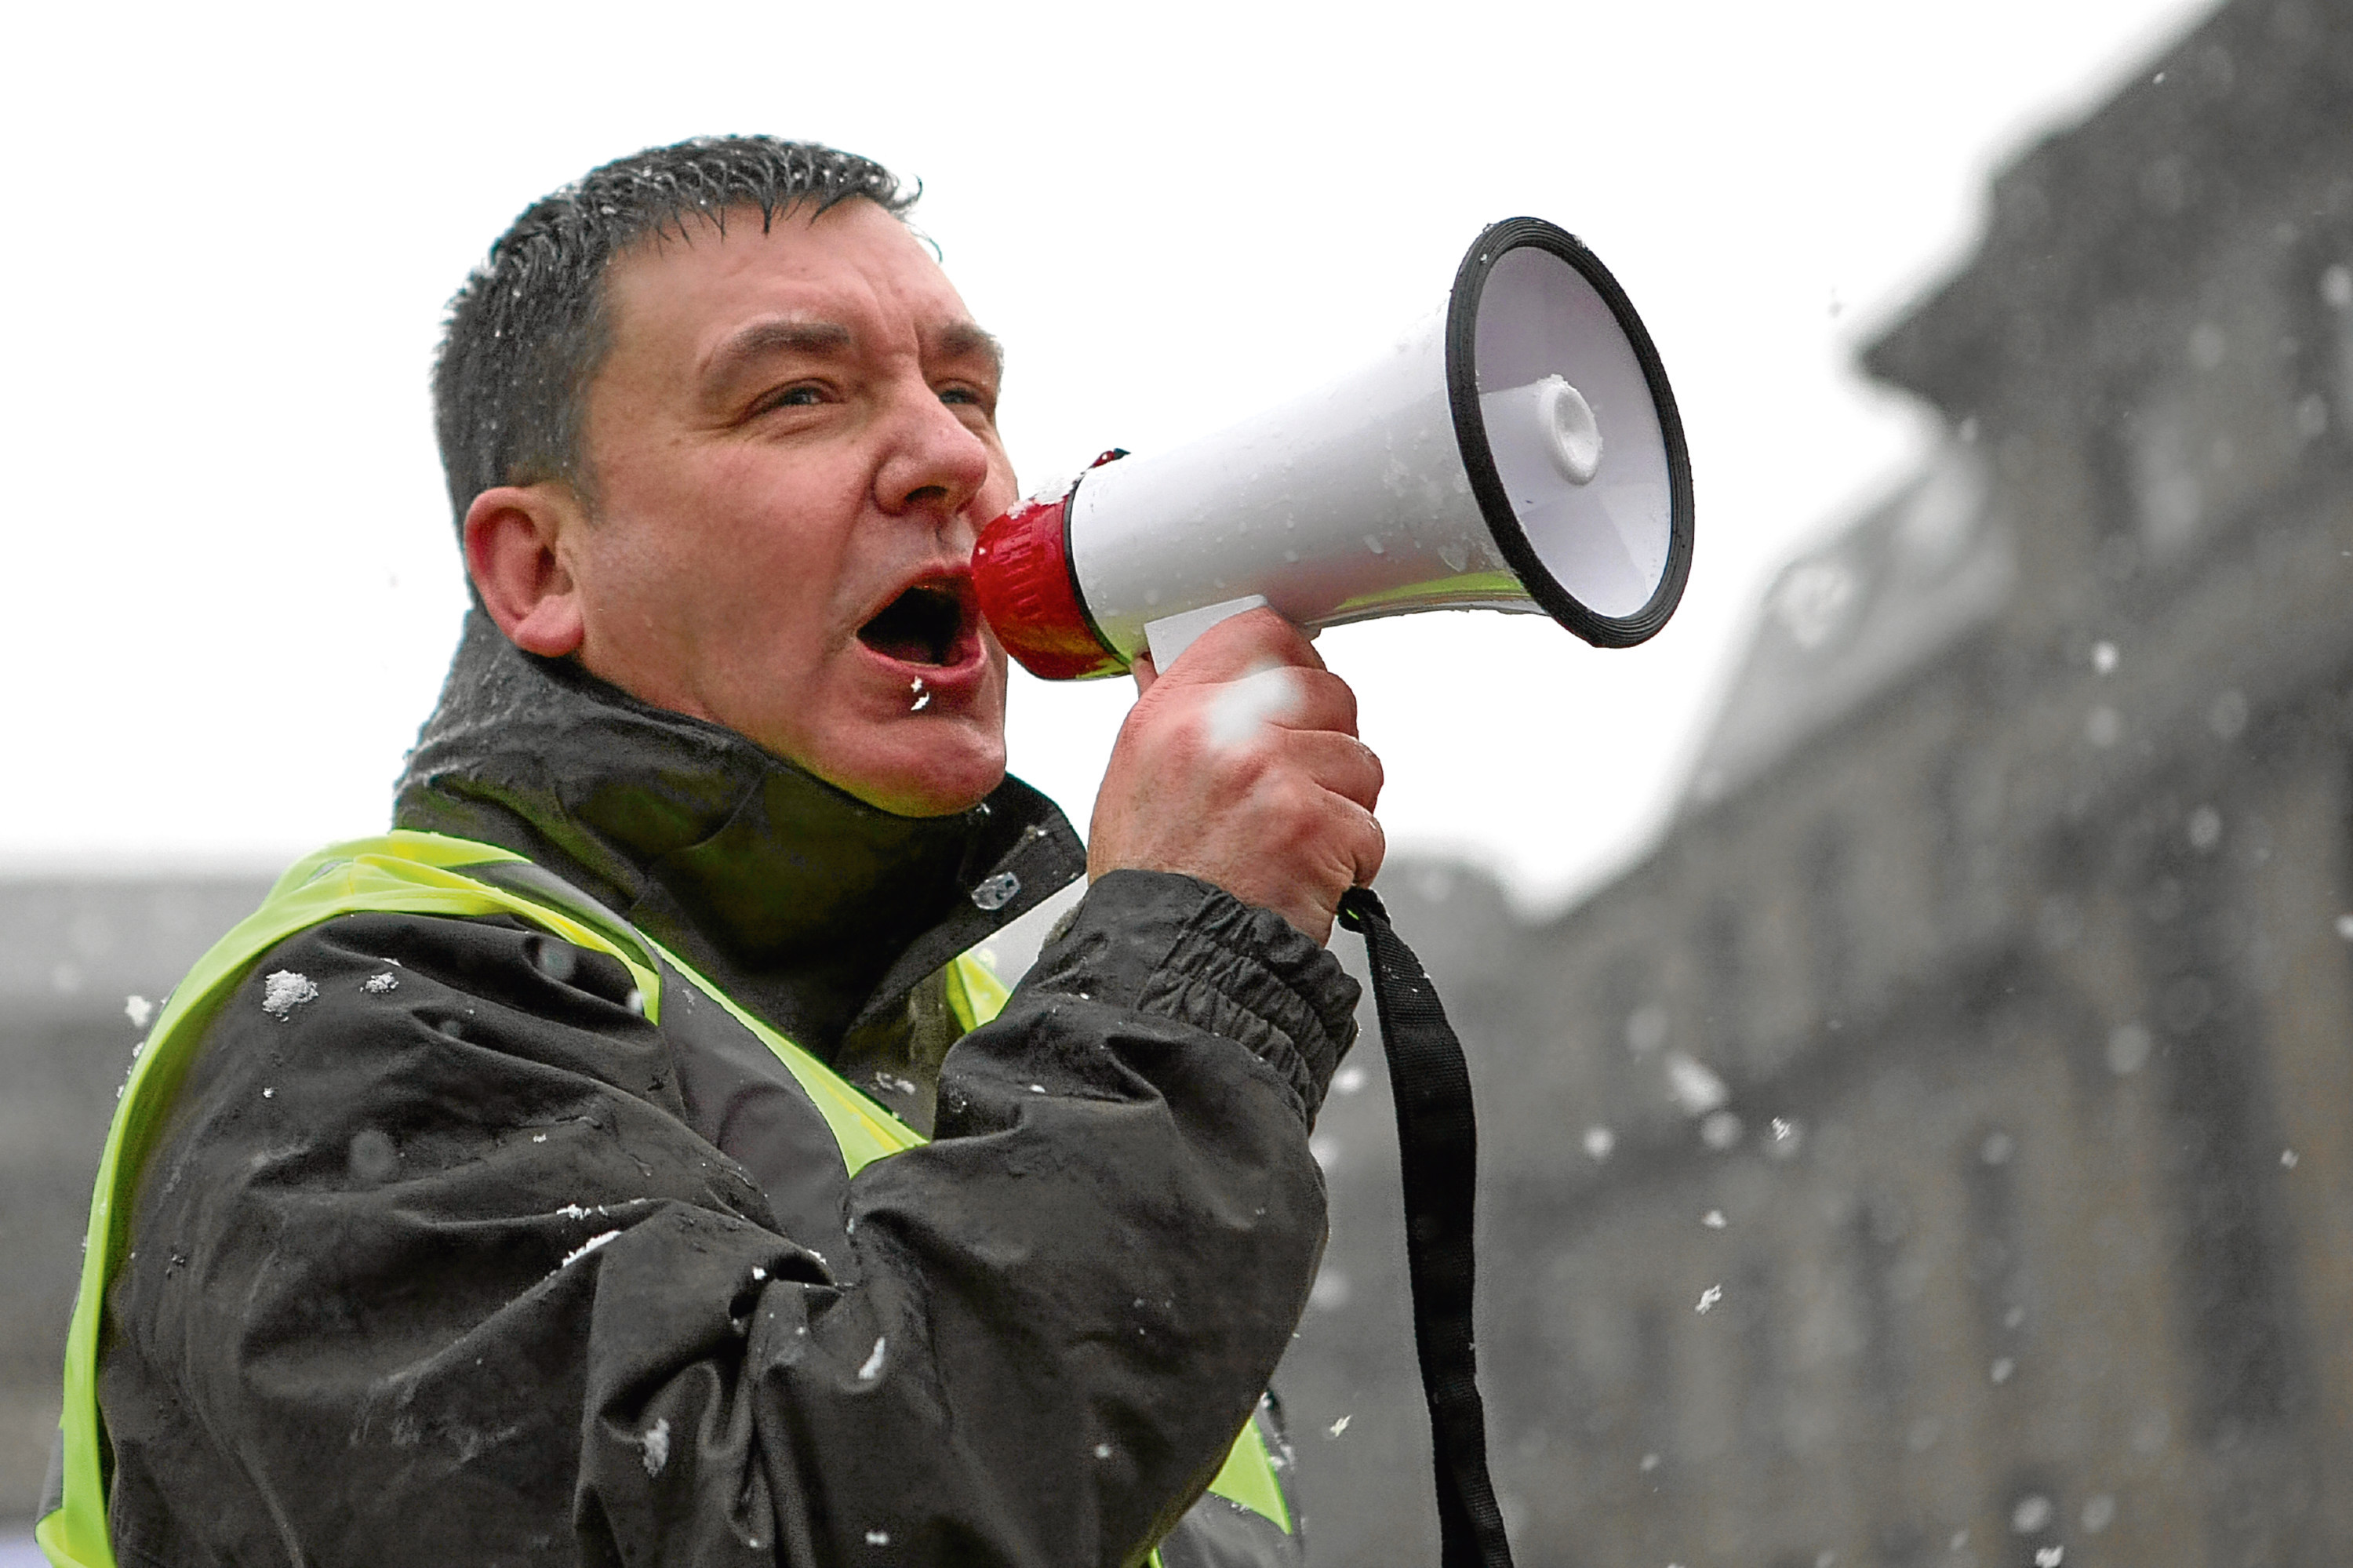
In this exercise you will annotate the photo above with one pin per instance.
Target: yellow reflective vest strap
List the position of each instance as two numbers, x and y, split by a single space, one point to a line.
411 872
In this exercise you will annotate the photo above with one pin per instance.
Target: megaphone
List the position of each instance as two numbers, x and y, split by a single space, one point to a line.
1520 451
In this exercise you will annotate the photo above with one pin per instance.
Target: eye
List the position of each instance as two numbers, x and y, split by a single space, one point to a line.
804 395
959 395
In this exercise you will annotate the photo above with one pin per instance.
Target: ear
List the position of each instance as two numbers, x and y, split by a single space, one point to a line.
516 538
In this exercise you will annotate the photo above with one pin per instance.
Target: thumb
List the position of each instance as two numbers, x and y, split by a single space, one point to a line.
1144 671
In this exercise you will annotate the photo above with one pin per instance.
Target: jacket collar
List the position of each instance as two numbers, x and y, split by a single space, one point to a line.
812 908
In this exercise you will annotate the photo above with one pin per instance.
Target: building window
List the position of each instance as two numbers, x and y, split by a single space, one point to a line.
1722 959
2167 456
1830 920
2337 330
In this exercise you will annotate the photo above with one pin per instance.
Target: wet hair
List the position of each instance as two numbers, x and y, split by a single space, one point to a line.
526 334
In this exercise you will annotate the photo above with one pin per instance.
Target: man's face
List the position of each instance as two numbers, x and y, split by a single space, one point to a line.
792 442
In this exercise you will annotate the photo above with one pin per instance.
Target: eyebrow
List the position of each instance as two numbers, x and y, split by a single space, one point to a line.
958 339
965 339
764 337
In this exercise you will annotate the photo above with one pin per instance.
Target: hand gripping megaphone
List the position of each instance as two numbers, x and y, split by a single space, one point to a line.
1520 451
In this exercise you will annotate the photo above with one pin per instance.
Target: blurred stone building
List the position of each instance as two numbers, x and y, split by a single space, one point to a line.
73 951
1940 1149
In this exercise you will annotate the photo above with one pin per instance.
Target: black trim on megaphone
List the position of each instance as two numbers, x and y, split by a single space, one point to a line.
1071 554
1478 464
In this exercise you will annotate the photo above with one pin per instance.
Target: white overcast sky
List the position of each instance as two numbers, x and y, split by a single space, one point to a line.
231 585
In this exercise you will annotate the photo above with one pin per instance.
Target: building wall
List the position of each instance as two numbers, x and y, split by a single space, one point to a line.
1991 987
72 952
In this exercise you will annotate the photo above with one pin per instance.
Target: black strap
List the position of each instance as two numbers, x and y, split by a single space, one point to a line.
1438 1143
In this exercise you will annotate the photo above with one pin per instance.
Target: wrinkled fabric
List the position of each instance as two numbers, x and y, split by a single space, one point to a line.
484 1266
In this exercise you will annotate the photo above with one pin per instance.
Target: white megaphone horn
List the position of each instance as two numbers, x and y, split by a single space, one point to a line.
1519 451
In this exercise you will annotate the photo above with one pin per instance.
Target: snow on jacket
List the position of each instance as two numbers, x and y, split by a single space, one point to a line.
484 1267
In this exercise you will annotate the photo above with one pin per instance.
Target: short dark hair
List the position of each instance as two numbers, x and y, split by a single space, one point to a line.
527 332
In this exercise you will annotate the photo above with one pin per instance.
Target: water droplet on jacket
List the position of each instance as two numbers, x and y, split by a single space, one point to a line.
994 893
557 960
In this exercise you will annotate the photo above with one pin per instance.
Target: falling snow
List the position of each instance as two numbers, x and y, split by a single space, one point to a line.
1713 1219
1694 1084
1710 1297
1339 1427
139 1010
1246 708
656 1442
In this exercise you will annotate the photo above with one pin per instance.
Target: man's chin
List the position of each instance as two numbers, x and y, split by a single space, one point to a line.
929 781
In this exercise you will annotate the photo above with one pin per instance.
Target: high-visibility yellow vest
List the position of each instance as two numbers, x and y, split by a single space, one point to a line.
407 873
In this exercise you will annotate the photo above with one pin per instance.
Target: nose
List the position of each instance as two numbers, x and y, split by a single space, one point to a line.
935 463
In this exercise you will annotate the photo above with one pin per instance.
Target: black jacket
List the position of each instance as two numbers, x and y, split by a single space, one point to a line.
358 1324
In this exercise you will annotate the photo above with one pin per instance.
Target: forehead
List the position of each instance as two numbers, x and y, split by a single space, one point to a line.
684 293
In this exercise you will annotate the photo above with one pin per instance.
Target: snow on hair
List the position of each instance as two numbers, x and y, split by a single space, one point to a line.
526 333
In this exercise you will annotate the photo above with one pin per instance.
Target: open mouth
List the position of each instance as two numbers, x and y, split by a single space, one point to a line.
930 623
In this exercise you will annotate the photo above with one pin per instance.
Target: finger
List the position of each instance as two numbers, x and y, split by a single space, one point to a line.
1368 846
1324 701
1240 643
1339 763
1144 671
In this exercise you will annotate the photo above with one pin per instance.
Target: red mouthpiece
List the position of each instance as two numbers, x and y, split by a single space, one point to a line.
1021 573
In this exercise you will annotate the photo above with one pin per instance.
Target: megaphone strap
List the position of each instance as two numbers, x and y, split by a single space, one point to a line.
1438 1147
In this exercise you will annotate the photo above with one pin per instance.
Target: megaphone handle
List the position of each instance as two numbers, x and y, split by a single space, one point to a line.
1170 635
1438 1148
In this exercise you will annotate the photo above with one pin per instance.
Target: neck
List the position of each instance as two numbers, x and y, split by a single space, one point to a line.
817 911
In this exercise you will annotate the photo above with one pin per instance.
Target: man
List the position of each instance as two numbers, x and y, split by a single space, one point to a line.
513 1187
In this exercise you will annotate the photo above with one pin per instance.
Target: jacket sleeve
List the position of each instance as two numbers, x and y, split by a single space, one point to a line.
428 1268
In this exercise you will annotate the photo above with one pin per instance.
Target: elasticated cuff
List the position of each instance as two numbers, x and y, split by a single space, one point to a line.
1182 948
